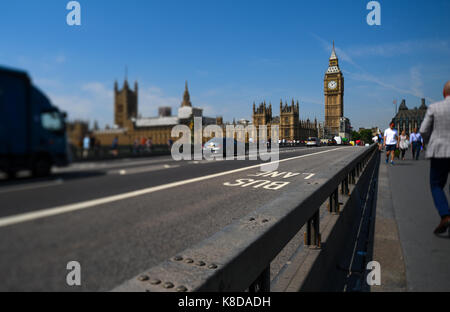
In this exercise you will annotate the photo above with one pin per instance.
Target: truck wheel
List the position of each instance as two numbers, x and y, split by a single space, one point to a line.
42 167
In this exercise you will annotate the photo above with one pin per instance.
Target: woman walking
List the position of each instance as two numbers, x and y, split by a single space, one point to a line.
404 143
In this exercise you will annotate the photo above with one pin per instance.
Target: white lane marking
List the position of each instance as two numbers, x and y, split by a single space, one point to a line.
310 175
31 186
141 169
29 216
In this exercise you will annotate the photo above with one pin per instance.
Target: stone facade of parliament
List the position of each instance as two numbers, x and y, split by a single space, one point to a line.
129 127
291 128
408 119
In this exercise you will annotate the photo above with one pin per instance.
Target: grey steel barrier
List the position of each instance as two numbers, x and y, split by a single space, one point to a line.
238 257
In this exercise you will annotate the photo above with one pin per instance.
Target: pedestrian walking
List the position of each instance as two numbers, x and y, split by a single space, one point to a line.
135 146
143 145
380 141
93 145
404 143
86 146
436 132
149 145
417 143
390 140
115 146
375 139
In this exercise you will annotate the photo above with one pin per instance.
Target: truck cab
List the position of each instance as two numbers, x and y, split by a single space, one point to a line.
32 130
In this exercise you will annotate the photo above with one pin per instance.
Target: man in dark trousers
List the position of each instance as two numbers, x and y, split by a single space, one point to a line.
435 129
417 142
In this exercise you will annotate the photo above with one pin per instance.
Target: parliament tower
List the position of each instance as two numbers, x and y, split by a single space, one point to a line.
334 96
125 104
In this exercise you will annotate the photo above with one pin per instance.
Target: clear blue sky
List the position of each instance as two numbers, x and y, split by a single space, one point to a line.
232 52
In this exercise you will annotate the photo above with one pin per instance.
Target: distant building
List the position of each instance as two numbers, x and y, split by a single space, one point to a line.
165 111
130 128
291 128
243 122
125 105
345 128
408 119
76 131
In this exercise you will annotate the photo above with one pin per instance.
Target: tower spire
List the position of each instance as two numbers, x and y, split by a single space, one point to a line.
333 53
125 83
186 97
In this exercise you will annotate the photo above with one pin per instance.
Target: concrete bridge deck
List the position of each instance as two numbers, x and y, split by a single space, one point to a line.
412 258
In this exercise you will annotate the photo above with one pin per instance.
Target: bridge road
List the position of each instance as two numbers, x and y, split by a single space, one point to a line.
116 238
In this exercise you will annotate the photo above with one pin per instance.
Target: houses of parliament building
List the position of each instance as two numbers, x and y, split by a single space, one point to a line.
291 128
130 127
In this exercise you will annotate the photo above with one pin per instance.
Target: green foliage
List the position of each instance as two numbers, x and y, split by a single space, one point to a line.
356 135
366 135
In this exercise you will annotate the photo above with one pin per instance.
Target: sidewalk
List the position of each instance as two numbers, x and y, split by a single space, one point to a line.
412 258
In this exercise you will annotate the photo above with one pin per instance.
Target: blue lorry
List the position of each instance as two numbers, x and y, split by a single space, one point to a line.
32 130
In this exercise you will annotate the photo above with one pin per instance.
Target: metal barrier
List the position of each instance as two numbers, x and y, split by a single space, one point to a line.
238 257
130 151
123 151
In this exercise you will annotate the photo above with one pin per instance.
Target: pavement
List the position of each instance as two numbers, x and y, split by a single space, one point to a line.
412 258
119 218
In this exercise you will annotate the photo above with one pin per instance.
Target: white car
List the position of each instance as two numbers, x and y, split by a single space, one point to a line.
219 146
313 142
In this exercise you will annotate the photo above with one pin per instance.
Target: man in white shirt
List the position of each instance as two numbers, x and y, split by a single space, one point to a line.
391 141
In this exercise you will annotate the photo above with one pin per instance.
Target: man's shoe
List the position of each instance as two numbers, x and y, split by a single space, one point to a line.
392 163
442 227
387 161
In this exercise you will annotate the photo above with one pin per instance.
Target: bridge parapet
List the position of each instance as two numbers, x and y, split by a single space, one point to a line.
238 257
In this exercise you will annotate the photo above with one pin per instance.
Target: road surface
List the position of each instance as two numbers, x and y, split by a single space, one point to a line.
119 218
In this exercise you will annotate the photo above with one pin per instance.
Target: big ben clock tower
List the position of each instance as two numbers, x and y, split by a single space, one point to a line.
334 95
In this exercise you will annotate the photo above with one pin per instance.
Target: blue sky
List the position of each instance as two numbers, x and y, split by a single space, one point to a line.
232 53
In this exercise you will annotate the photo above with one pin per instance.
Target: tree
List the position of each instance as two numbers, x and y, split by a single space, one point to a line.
356 136
366 135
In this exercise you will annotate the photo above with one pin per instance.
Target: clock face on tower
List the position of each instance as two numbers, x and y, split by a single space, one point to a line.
332 85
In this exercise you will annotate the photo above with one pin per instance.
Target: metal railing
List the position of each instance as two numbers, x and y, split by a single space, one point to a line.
122 151
130 151
238 257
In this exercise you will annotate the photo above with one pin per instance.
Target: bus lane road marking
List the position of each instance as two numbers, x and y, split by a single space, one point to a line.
267 184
